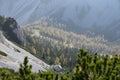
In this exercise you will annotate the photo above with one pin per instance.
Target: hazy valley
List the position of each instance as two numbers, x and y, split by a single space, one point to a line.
101 17
51 34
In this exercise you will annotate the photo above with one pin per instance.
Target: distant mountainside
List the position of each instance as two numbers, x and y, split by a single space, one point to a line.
100 16
49 33
58 39
55 45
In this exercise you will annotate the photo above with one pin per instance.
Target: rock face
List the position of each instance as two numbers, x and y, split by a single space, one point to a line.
15 56
57 68
12 30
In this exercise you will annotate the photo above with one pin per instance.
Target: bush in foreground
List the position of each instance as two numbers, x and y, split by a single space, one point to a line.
88 67
96 67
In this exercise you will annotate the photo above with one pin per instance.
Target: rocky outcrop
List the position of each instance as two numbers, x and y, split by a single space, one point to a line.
12 30
57 68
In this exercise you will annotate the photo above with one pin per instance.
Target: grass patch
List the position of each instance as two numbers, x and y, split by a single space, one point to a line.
2 53
18 50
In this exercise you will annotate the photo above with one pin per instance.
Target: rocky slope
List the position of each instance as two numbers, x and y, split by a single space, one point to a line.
15 56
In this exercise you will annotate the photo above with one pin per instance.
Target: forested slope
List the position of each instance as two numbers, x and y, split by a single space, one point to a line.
58 46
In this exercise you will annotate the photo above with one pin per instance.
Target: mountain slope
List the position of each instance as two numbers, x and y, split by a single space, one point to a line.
59 37
99 16
79 12
57 45
15 56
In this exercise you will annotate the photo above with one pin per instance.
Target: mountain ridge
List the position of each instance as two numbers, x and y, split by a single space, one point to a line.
79 12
